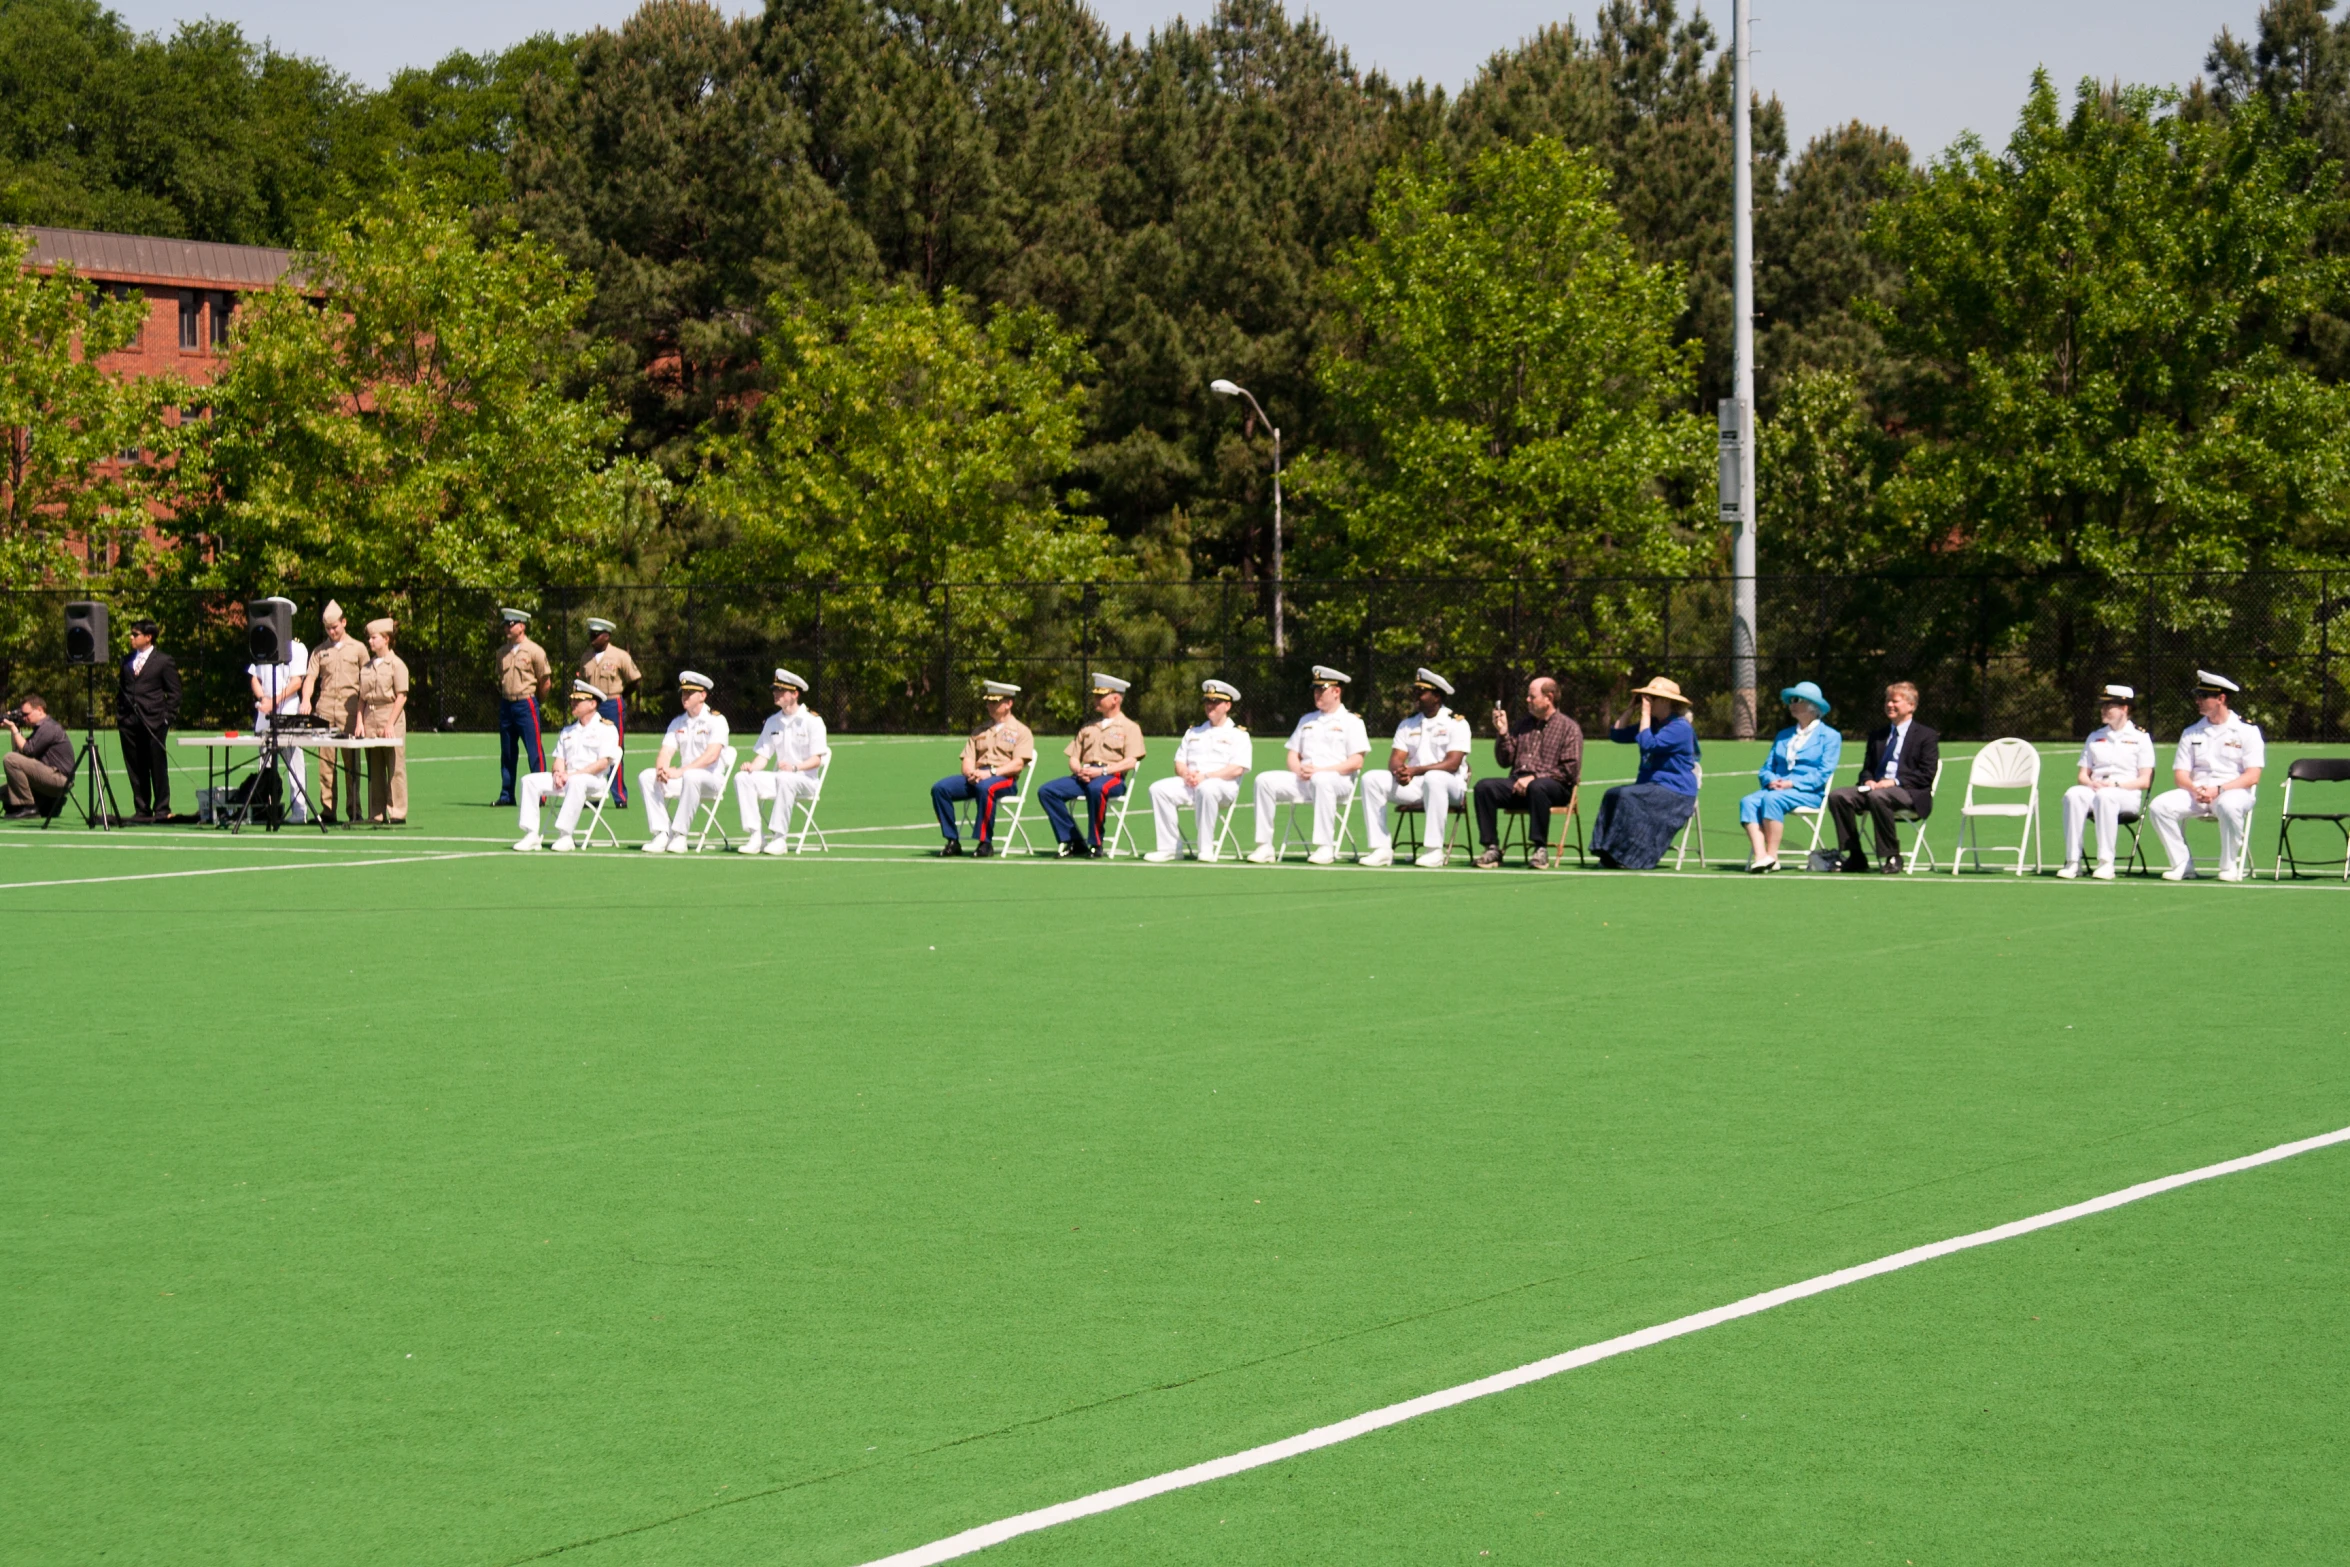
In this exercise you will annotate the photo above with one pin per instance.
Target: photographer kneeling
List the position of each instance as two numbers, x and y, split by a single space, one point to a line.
41 766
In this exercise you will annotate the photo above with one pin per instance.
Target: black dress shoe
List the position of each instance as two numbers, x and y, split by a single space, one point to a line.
951 849
1070 849
1854 862
1891 865
985 851
22 813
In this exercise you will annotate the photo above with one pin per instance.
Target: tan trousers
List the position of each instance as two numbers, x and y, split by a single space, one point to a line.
387 775
26 777
336 768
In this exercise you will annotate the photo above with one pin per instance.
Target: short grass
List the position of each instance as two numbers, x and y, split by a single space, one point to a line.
431 1203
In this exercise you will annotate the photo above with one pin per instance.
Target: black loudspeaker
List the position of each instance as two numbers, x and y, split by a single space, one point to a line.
269 629
85 634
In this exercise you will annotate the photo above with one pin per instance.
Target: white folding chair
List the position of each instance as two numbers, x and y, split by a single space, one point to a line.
593 816
803 809
1818 814
1114 816
1917 845
712 819
2003 764
1010 814
1696 824
1342 833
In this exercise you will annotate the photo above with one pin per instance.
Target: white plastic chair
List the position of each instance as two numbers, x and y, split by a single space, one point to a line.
804 810
711 817
1342 832
2003 764
1695 823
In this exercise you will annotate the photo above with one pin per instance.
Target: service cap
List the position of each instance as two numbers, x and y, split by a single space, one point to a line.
1104 685
1219 691
514 617
993 689
600 627
383 627
1433 681
784 677
2209 684
1324 675
692 680
2117 694
582 691
332 613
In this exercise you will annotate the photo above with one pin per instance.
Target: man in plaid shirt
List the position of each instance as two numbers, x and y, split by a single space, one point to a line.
1542 756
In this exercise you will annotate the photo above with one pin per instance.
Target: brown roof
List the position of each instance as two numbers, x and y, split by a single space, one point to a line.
140 258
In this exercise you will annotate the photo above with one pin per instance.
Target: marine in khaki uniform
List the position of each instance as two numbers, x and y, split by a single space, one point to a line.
524 678
995 756
383 714
614 674
330 690
1102 760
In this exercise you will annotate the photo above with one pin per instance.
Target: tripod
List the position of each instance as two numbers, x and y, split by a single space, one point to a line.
91 764
291 794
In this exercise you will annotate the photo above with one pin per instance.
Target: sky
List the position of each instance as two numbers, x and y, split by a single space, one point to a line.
1927 71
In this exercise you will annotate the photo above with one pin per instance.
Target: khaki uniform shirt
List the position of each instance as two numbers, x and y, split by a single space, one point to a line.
611 671
521 667
335 668
1114 743
998 748
382 682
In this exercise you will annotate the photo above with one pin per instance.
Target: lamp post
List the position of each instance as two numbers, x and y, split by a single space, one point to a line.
1737 412
1227 389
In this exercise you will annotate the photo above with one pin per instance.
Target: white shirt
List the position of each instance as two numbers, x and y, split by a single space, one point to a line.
1893 745
789 741
1209 747
581 746
690 736
2213 754
284 679
139 659
1328 739
1425 741
1802 737
2115 757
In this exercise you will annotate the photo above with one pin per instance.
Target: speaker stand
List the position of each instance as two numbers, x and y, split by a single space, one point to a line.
91 764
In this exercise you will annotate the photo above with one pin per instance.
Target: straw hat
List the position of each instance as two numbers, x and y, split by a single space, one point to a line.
1661 687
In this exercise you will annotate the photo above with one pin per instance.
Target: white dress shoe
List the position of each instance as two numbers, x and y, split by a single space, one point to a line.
2069 871
679 843
656 843
1159 857
530 841
1262 854
1323 854
1433 860
2231 874
2185 874
563 845
2103 872
777 846
750 845
1375 857
1209 856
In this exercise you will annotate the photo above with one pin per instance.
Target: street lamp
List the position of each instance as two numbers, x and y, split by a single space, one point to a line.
1228 389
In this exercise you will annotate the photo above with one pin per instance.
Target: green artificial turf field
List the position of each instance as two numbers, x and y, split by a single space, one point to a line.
391 1197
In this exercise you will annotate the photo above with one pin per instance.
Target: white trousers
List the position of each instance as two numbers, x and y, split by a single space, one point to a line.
578 789
1209 799
1324 791
751 790
1437 794
2107 804
689 791
2232 810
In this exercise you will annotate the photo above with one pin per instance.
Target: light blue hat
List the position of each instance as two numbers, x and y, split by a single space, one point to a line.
1807 691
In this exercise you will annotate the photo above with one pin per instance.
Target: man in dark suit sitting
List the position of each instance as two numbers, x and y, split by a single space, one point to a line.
1897 775
146 700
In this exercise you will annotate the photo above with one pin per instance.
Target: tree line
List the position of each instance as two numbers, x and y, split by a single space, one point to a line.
918 290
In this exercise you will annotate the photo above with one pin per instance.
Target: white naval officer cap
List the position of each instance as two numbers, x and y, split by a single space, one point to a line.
581 690
514 617
2205 680
784 677
998 688
692 680
1219 691
1109 683
1324 675
2118 694
1434 681
598 626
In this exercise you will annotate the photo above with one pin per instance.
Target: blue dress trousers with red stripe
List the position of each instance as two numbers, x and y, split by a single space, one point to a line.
1057 796
518 724
989 790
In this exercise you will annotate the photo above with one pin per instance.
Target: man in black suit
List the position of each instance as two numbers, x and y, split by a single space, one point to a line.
146 700
1896 775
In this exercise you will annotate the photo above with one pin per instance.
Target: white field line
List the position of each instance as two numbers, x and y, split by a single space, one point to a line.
979 1539
239 870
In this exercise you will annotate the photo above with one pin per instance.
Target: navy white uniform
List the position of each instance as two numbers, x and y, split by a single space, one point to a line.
1326 740
2212 754
788 743
2115 758
581 746
1424 741
1207 747
688 736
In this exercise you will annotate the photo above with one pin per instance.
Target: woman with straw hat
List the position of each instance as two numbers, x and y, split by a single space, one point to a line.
1637 820
1794 776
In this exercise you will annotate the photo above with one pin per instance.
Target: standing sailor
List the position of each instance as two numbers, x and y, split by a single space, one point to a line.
1325 752
793 739
383 715
687 769
524 678
993 759
2218 771
1209 762
614 674
1102 759
1428 767
331 691
587 755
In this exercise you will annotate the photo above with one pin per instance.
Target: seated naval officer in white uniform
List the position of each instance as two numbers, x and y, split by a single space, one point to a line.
1429 768
1325 752
2117 766
2218 771
793 741
1209 762
687 769
587 760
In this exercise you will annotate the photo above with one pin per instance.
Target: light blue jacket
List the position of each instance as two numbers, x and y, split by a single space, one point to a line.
1810 773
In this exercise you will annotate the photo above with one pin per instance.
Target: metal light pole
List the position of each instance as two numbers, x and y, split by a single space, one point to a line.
1228 389
1737 412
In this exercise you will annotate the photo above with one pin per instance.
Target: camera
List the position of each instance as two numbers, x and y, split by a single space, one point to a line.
19 717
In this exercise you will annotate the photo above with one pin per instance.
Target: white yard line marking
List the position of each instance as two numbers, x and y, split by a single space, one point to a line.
238 870
981 1538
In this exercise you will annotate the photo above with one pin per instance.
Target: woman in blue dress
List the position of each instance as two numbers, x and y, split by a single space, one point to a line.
1797 773
1637 820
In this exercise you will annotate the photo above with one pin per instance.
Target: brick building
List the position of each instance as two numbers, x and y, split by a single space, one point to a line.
191 289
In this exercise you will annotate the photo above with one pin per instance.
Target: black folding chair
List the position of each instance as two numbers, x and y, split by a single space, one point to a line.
2311 770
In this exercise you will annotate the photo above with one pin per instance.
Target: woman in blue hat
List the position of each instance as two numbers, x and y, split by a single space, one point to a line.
1796 774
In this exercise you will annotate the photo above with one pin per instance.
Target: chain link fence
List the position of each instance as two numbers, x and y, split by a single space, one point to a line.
1990 655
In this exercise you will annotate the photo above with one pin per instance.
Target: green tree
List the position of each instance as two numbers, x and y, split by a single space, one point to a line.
455 126
393 412
86 455
1508 370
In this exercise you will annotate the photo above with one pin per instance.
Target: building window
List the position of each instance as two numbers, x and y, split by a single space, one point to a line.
191 319
224 306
